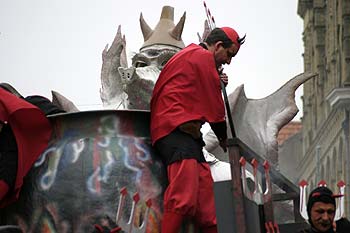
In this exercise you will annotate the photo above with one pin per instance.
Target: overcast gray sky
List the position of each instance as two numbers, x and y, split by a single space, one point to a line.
57 44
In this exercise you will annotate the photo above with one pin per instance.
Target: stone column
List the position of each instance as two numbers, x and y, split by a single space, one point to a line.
319 59
346 44
346 130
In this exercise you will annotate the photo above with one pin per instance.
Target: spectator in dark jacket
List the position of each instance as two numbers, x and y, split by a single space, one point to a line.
343 225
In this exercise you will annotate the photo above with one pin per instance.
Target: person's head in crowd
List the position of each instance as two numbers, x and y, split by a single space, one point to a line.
321 208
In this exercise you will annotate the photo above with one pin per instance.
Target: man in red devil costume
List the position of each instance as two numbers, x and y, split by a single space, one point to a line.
186 95
24 134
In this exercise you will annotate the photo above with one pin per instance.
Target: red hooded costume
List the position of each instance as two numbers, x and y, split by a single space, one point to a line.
188 88
32 131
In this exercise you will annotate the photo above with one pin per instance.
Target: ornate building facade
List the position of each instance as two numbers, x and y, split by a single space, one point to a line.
326 99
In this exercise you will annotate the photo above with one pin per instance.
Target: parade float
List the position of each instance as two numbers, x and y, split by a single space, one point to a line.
100 173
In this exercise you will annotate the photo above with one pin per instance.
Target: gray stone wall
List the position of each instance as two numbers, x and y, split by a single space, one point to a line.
290 153
326 100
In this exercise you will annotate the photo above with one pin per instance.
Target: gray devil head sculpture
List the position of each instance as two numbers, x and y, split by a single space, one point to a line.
126 87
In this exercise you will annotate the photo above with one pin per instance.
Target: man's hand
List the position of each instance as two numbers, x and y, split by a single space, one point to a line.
224 78
223 144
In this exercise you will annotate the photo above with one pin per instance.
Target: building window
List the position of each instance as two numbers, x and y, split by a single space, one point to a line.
334 167
340 161
328 172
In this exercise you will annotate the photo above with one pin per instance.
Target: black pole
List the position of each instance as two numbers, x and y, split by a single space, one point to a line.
233 151
228 109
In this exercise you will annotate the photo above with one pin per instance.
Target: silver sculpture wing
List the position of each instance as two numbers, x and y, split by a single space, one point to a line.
111 92
205 33
258 121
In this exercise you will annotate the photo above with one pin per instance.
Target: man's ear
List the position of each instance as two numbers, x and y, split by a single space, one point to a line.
218 44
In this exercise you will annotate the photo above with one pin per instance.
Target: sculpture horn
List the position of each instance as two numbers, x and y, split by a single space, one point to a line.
177 30
146 30
165 32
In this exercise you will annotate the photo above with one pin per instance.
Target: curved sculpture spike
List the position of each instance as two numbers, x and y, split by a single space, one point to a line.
111 91
302 201
258 121
271 227
63 102
257 194
246 191
339 213
129 226
123 192
146 30
268 192
322 183
118 35
123 57
205 33
177 30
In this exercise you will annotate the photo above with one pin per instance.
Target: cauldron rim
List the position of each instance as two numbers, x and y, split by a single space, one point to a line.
104 111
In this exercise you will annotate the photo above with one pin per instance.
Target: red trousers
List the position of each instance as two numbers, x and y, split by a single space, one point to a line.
190 194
